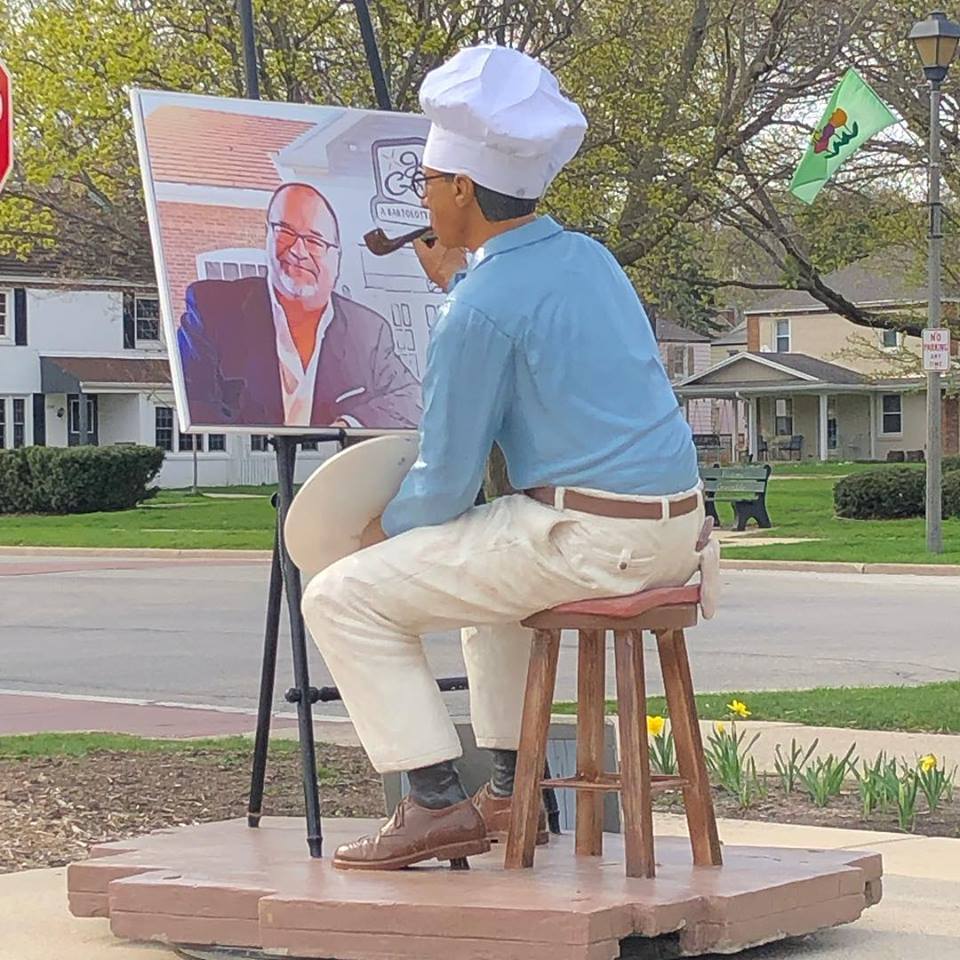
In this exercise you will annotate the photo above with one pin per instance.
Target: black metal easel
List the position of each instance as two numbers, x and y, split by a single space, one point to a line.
285 579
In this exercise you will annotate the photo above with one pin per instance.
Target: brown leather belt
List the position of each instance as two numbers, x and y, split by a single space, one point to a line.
623 509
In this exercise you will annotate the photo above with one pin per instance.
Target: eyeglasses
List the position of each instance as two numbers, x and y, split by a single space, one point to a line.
419 181
316 246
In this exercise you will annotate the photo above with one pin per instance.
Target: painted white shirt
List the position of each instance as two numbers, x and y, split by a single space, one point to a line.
297 383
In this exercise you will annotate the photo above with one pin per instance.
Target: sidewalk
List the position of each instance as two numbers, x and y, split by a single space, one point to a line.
25 712
919 914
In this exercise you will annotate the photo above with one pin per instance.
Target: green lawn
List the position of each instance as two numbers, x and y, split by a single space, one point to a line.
800 504
931 707
80 744
174 518
800 501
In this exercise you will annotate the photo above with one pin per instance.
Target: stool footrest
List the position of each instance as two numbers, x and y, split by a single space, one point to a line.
610 782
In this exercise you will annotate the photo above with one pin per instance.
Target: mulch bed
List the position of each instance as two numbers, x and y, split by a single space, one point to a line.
843 813
53 808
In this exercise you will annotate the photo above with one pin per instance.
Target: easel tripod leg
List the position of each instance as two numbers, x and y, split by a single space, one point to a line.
286 460
268 674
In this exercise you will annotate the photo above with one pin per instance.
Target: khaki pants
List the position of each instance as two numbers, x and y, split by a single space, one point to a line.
491 567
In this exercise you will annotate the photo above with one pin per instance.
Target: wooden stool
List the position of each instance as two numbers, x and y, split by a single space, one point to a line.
666 612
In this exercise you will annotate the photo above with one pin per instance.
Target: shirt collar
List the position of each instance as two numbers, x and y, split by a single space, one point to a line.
523 236
286 349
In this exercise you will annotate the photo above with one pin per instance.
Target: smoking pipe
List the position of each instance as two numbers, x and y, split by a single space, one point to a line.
379 244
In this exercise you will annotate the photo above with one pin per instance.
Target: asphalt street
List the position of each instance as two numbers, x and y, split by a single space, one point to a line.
193 633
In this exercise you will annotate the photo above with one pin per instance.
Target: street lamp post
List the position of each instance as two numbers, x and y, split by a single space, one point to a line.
936 40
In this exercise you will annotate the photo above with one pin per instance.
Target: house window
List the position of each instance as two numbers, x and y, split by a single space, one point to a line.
831 424
231 263
892 413
163 427
676 361
146 312
891 339
4 315
783 336
784 419
258 442
3 422
19 422
216 442
187 441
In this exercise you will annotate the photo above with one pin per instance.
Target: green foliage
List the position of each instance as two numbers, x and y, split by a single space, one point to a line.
823 778
692 108
789 766
76 479
907 790
951 494
15 482
878 784
885 494
730 764
934 781
663 753
950 464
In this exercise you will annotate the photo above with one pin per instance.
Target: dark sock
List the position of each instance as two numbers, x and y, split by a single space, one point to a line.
436 786
504 770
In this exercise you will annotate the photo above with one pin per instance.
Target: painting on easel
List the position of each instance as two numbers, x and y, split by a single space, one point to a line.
279 316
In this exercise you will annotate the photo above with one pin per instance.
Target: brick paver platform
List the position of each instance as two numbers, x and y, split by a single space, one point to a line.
225 884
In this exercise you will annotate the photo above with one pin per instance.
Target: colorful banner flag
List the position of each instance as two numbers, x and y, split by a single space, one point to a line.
855 113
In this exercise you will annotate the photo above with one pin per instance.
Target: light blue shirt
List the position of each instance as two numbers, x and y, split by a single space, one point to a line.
544 348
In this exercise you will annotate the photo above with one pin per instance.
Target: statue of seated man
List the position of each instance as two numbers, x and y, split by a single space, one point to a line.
543 348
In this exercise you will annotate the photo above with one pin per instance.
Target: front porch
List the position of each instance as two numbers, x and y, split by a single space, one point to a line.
801 408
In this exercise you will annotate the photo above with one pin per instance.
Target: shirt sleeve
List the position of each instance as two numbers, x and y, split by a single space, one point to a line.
465 390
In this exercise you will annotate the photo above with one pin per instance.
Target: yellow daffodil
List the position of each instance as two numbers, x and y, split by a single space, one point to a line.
655 726
928 763
720 727
739 708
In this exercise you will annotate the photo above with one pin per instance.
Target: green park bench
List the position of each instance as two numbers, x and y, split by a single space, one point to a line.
744 487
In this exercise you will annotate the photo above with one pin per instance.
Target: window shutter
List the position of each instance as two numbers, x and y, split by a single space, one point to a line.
20 317
129 323
39 421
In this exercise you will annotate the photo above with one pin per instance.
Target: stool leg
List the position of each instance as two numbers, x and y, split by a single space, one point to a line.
634 755
590 705
697 800
534 728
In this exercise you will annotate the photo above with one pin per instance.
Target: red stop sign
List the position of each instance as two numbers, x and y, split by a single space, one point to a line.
6 125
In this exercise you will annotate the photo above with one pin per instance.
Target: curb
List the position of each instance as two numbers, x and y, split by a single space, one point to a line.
866 569
782 566
159 553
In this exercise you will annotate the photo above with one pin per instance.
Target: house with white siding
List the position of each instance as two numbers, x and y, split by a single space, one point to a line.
83 360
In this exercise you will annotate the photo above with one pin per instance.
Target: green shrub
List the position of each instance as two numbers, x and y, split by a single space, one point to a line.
76 479
15 488
885 494
951 494
950 464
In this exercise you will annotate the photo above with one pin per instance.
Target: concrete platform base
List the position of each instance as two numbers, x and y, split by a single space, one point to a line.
225 884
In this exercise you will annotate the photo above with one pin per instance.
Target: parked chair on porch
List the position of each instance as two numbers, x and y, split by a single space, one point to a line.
667 612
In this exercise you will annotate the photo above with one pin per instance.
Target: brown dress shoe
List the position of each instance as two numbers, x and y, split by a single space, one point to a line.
496 815
416 833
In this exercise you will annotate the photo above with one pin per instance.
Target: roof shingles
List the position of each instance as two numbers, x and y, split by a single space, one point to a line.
217 148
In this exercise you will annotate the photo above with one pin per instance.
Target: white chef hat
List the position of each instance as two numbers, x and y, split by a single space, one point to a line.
498 117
